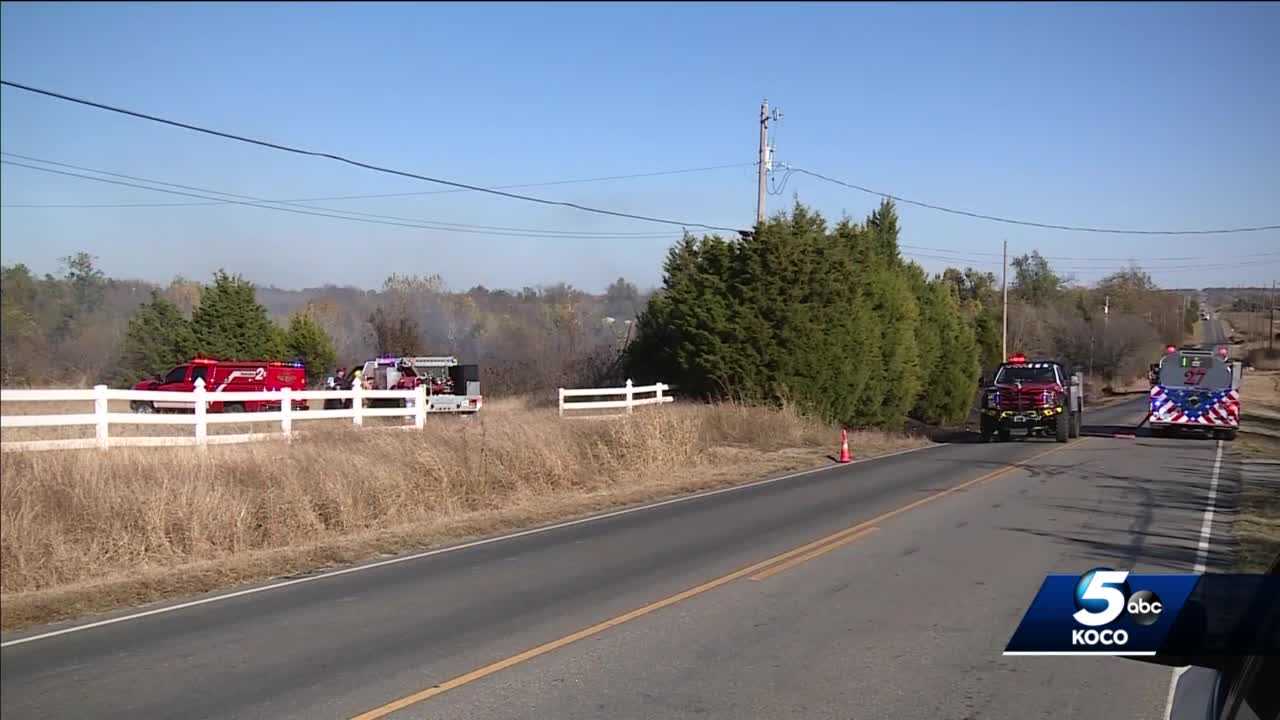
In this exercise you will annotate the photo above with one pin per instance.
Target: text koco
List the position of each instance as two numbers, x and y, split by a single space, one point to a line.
1099 637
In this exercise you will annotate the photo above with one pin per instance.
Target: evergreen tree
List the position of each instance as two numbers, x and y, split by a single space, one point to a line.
828 319
305 340
158 339
229 324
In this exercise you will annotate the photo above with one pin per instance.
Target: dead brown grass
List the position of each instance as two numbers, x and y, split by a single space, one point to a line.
1257 524
86 531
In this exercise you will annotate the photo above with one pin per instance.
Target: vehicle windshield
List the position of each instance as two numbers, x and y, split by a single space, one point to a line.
176 375
1035 373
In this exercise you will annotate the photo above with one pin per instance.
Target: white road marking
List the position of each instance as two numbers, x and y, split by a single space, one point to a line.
1206 526
1202 559
453 548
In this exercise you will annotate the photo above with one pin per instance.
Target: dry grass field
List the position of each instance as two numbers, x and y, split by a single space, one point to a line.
84 531
1257 525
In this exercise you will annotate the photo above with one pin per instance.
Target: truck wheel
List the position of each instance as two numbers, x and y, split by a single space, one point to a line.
142 408
233 408
1004 434
1227 435
986 429
1064 426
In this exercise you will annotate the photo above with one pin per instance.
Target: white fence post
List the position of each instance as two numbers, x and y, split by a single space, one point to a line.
100 410
561 402
201 410
357 403
420 409
286 413
629 394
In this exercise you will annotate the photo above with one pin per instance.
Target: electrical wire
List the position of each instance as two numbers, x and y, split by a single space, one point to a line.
431 224
1108 270
295 210
967 253
326 198
1030 223
357 163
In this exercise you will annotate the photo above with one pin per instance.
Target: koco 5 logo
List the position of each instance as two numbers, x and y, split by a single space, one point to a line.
1102 596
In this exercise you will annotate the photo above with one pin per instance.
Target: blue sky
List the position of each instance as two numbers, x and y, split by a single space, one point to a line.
1148 116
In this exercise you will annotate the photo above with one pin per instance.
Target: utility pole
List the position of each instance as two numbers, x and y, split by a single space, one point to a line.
1004 290
1271 337
765 163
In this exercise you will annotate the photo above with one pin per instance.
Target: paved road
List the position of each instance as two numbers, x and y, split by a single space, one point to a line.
1214 332
905 618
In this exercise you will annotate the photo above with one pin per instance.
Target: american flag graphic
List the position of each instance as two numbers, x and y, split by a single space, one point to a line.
1195 407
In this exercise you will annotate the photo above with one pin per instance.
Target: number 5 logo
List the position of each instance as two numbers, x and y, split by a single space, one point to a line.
1098 597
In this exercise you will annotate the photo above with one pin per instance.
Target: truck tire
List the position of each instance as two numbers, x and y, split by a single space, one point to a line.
986 429
1227 435
1063 426
142 408
1004 434
233 408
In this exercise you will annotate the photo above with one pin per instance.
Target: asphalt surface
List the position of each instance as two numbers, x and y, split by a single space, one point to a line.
904 620
1214 332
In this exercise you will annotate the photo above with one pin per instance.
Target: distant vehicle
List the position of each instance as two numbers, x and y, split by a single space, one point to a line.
225 376
451 386
1196 388
1036 397
1204 315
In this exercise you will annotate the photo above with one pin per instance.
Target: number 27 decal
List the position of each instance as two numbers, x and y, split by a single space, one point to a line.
1194 376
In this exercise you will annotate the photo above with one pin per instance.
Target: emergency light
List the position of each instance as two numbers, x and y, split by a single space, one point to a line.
1017 358
1169 348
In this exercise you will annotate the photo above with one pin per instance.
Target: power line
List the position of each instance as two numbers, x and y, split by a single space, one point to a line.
295 210
357 163
1089 259
605 178
1029 223
430 224
1173 268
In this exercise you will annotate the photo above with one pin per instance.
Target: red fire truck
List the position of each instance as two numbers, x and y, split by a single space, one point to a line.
451 386
1032 397
225 376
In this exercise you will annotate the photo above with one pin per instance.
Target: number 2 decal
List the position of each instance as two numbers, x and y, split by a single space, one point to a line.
1194 376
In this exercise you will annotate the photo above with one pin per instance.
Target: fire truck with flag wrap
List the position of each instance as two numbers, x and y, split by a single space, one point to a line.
1196 388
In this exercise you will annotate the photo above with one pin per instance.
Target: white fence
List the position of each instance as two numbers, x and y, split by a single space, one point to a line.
629 401
102 419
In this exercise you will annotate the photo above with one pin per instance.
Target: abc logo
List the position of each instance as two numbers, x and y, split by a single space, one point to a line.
1144 607
1102 596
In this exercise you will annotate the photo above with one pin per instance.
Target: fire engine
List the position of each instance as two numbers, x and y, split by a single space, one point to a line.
451 386
1032 397
1196 388
228 376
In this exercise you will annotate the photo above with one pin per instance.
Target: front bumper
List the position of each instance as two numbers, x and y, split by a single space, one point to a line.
1036 418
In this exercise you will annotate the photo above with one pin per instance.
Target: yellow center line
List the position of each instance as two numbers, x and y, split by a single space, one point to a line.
787 565
764 568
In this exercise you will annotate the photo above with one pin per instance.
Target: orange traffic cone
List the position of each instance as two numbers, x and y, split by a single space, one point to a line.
845 455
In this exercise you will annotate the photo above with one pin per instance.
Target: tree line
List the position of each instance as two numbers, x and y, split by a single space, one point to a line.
834 320
830 318
80 327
